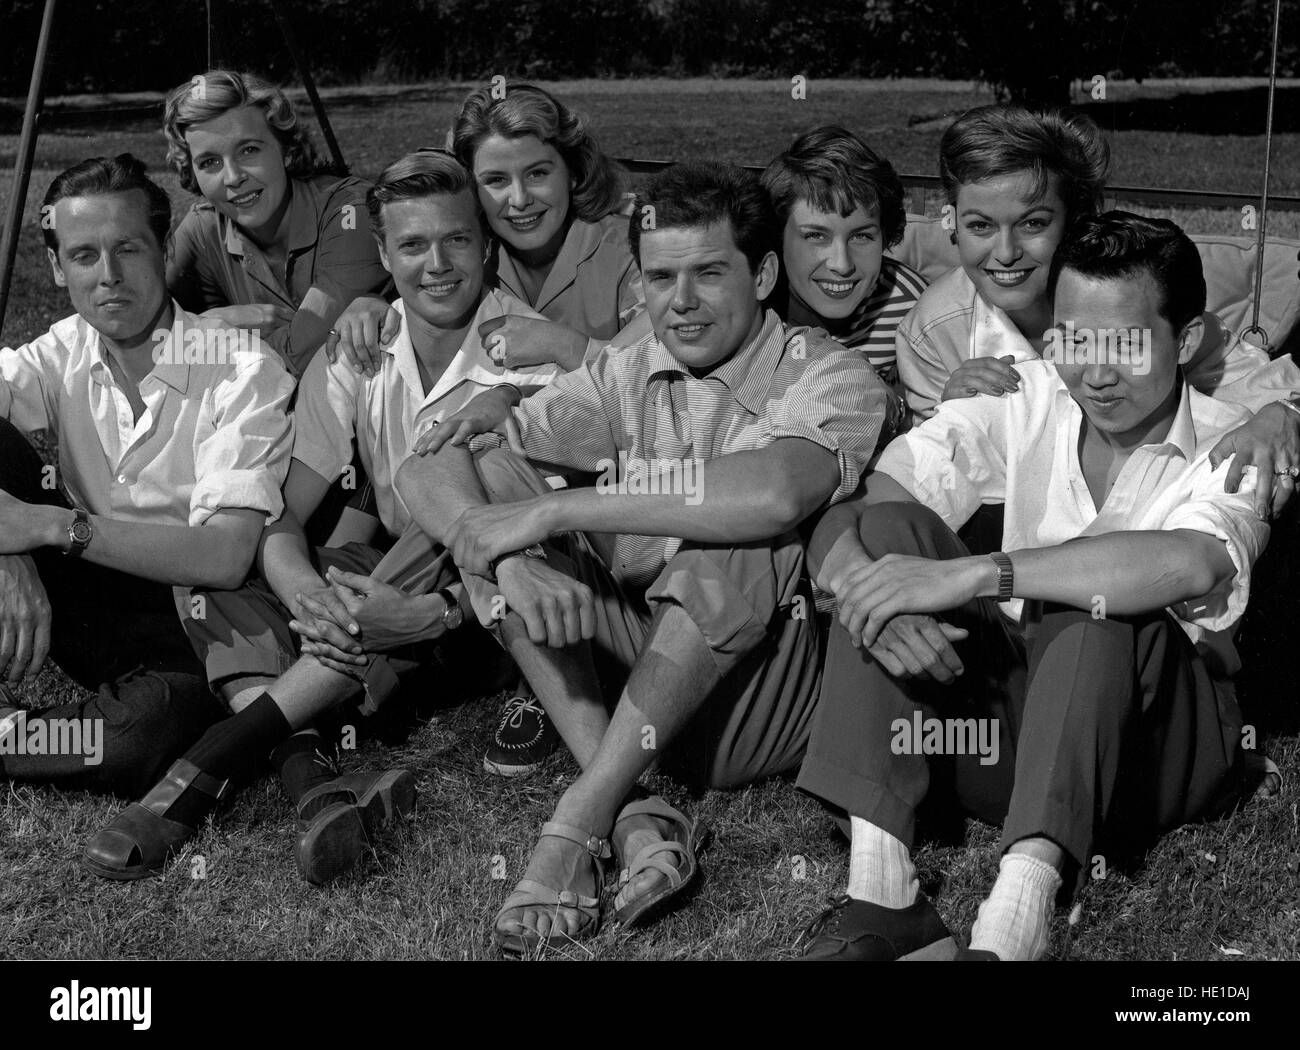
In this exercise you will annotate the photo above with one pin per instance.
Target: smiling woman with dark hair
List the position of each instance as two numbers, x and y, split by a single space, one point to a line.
276 244
841 207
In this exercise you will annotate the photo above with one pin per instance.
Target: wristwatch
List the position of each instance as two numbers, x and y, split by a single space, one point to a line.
453 615
80 533
1006 575
535 551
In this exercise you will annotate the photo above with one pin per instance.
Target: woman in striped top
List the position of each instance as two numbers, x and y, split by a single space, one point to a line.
841 206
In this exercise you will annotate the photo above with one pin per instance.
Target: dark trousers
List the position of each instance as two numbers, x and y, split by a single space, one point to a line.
1109 731
118 635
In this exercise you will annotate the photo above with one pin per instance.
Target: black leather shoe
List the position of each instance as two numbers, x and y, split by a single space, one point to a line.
855 931
976 955
337 836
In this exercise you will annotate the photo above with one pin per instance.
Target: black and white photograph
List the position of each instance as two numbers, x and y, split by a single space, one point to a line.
649 481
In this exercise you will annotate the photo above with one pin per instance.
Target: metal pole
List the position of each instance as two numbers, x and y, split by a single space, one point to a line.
1268 156
307 82
23 162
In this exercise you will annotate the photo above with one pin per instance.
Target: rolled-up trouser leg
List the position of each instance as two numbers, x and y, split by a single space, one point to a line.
853 762
245 633
121 740
754 610
1124 736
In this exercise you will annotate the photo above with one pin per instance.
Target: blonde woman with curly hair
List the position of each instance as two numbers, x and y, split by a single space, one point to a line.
276 242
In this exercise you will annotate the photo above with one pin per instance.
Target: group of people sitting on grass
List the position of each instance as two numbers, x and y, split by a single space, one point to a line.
732 491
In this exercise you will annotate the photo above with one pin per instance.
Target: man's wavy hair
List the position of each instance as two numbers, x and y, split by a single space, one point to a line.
835 171
218 91
424 173
701 193
98 176
528 110
1119 244
991 141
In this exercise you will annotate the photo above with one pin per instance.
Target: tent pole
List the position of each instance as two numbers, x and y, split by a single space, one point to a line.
23 162
307 82
1268 156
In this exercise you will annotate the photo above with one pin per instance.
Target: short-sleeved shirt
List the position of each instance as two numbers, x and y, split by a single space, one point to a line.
952 324
873 325
214 434
388 411
330 248
637 405
1021 450
594 286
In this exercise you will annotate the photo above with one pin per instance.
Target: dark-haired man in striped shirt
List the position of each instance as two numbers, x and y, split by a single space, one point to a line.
713 438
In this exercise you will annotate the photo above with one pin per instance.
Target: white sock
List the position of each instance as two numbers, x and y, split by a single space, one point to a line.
880 867
1013 921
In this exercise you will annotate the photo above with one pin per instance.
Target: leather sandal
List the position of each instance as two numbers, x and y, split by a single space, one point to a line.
337 836
657 857
138 842
529 892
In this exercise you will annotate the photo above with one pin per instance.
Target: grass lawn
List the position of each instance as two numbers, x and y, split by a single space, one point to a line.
1217 891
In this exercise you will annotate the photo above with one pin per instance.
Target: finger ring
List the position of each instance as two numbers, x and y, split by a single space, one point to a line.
334 331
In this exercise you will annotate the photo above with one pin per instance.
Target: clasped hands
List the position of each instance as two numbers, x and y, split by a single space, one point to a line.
885 606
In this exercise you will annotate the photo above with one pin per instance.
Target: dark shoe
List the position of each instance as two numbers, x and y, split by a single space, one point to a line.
976 955
138 842
855 931
356 807
524 738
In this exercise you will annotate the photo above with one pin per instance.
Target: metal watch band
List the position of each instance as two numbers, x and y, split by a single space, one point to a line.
1006 575
451 615
535 551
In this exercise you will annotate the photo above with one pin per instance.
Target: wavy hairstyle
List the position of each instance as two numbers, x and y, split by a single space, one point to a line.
835 171
218 91
528 110
991 141
427 172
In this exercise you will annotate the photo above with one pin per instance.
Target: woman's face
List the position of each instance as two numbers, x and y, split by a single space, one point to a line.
832 261
1006 238
239 166
523 185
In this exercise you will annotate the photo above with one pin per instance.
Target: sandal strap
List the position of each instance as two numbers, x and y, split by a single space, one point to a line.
539 893
654 806
651 858
182 775
595 845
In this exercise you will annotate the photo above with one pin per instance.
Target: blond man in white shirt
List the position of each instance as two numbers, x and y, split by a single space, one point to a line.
172 446
360 618
1092 723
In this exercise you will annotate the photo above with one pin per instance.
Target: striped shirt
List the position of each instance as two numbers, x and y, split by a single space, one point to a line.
872 326
636 404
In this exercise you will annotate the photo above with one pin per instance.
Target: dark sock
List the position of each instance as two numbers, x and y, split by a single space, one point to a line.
302 766
234 749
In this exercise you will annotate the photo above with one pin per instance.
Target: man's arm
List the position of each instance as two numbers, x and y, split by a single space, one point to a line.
1131 572
216 554
738 498
836 537
437 489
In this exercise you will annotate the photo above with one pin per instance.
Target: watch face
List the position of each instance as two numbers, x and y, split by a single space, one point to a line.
454 616
81 532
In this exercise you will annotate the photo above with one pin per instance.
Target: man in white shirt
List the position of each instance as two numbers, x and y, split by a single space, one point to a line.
172 445
361 618
1091 725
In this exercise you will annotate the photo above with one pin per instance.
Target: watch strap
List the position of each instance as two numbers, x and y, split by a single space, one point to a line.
1006 575
80 533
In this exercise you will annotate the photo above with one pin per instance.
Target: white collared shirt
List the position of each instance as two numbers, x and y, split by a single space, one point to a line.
1021 450
389 411
214 434
952 324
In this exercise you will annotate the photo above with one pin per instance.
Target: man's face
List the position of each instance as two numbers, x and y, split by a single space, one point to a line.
1006 238
239 166
1125 401
434 247
110 263
524 188
701 295
832 261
